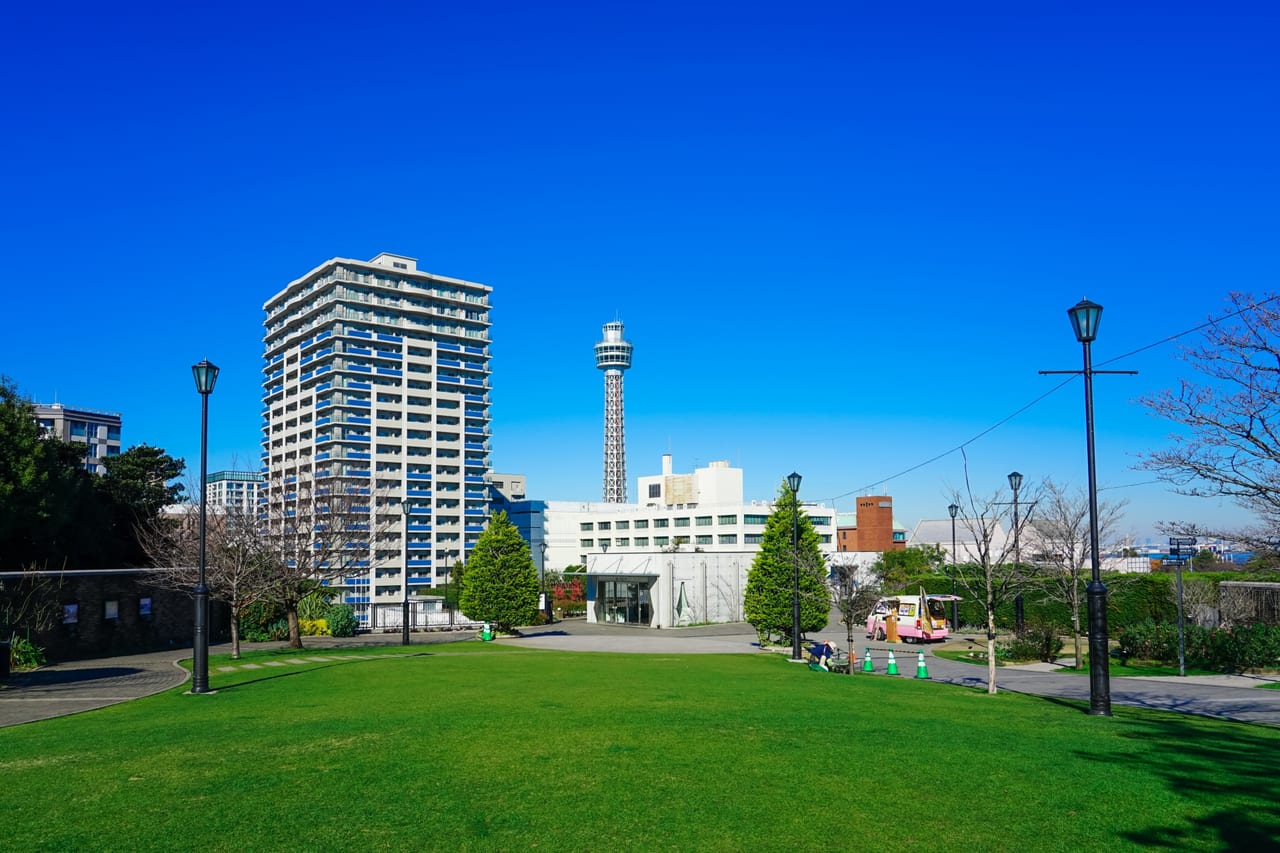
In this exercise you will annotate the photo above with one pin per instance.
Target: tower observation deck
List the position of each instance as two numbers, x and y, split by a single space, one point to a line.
613 355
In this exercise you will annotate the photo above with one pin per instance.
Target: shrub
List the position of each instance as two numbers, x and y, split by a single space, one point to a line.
314 606
1254 647
313 627
258 622
24 654
342 620
1036 641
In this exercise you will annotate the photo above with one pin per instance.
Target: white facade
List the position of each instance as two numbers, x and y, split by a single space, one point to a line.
667 590
98 431
376 379
235 489
702 512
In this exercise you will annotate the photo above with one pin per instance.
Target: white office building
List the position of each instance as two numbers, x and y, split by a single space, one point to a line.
376 379
680 555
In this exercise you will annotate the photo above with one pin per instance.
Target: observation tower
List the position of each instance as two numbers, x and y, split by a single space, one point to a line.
613 355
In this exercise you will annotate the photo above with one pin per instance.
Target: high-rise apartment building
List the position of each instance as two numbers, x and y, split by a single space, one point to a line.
100 431
233 489
376 395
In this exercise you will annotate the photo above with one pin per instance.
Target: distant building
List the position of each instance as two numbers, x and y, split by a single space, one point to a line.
699 512
233 489
100 431
508 487
871 528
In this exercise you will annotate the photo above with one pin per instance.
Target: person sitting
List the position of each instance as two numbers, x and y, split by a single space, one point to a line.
822 651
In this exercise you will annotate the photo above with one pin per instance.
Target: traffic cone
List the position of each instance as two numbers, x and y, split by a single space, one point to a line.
922 671
893 665
867 665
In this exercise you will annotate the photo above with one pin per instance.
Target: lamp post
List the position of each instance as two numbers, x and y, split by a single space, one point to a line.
793 483
542 581
404 609
448 570
1015 483
955 613
206 376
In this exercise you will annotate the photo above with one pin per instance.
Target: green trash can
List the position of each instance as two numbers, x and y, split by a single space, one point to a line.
486 633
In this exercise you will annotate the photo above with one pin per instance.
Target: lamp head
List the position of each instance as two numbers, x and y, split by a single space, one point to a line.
1085 316
793 483
953 509
206 374
1015 481
604 547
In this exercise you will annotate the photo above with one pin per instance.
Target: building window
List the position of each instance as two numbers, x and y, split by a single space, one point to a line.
661 522
587 525
703 521
605 525
661 541
624 542
642 541
728 539
901 536
585 543
821 520
826 538
604 543
704 539
728 519
655 490
754 519
642 524
752 538
623 525
682 540
682 522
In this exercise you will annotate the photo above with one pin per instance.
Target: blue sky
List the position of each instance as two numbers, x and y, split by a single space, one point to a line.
843 236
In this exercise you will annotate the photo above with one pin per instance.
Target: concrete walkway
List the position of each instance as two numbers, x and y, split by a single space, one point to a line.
69 688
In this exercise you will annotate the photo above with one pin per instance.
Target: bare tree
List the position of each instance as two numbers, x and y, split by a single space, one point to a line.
1059 539
1231 443
991 577
319 530
29 600
236 558
853 592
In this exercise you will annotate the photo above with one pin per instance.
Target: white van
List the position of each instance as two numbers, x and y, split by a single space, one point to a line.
921 618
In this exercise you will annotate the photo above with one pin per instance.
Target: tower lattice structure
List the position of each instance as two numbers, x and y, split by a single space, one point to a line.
613 356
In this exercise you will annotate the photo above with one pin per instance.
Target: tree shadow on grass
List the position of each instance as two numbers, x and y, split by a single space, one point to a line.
1226 775
274 673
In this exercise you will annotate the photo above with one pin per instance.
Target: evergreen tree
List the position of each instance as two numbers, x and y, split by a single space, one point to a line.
768 597
501 582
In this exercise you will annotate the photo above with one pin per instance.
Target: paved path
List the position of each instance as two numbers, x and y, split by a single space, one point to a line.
69 688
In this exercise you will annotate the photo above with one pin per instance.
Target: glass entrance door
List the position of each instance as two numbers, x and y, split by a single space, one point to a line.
625 601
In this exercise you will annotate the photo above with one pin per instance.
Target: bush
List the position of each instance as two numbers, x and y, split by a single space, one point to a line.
24 654
314 606
259 623
1254 647
313 627
342 620
1036 641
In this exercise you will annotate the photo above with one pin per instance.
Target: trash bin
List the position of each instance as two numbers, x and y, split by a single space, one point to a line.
486 633
4 660
891 627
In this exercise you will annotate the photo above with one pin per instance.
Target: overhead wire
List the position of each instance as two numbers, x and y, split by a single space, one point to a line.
959 448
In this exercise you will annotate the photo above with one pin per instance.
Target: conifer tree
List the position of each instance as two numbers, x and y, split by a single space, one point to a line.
767 602
500 584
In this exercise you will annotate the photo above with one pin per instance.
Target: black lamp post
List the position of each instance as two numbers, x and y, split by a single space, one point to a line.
955 614
542 581
404 608
1084 321
206 376
448 570
793 483
1015 483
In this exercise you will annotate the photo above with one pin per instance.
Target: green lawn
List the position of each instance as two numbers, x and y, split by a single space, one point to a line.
482 747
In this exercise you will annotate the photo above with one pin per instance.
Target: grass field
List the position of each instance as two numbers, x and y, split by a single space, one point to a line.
477 747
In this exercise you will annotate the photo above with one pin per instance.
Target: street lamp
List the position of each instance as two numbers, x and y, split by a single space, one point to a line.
1084 321
542 580
206 376
793 483
955 615
448 570
404 610
1015 483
